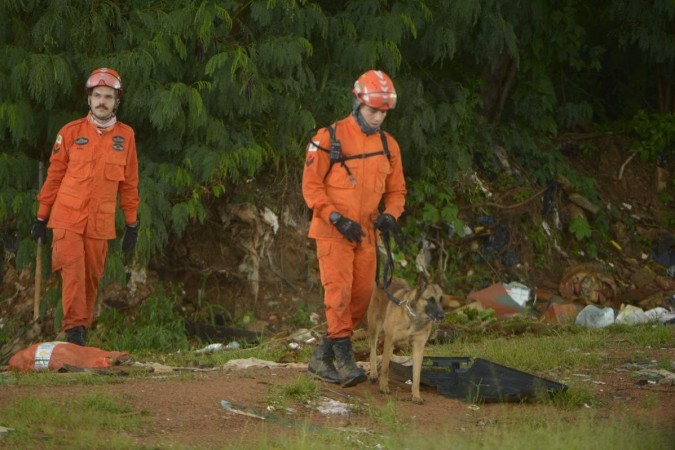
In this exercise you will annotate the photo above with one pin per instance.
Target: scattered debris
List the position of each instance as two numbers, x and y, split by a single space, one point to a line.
328 406
506 300
593 317
247 363
211 348
591 282
477 380
236 410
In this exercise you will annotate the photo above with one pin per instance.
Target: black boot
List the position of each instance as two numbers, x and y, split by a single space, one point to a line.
321 364
77 335
348 372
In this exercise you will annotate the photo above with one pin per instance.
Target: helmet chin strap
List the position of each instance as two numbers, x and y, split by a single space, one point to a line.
356 112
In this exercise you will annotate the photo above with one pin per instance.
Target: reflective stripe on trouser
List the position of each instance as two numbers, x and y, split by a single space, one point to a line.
348 278
81 262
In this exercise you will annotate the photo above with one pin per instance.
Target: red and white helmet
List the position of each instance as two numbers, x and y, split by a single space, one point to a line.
375 89
105 77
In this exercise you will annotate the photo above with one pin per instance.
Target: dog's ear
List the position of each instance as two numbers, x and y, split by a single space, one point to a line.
420 285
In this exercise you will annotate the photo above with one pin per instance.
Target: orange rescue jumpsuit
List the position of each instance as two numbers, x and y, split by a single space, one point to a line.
88 168
348 269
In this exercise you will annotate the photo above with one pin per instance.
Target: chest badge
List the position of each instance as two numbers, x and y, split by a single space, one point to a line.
81 141
118 139
118 147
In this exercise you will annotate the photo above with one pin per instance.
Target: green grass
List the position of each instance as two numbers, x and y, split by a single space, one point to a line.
302 390
573 349
587 431
87 421
51 379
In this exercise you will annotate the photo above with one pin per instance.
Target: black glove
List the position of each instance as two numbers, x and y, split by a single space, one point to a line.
351 230
129 241
39 230
387 224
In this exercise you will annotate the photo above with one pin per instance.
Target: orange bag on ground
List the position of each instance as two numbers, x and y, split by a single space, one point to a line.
55 355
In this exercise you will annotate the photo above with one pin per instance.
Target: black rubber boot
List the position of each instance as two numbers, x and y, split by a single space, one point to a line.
348 372
77 335
321 364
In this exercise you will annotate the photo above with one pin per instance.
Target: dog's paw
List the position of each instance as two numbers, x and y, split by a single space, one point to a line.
384 388
372 378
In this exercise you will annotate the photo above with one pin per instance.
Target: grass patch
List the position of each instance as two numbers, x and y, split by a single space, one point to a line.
386 416
533 352
586 430
649 335
302 390
86 421
53 379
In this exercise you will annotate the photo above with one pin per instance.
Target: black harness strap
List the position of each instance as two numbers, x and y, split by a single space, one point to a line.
336 156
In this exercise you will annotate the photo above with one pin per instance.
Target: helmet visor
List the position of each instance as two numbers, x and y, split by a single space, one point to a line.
104 79
379 100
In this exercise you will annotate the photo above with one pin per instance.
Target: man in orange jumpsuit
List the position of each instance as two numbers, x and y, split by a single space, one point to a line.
345 178
92 161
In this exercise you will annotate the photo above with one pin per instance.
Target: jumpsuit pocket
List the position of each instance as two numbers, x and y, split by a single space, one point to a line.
114 172
63 252
105 218
67 208
81 164
323 249
383 171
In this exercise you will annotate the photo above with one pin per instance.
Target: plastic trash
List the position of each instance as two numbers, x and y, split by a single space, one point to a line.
498 297
631 315
660 314
518 291
593 317
210 348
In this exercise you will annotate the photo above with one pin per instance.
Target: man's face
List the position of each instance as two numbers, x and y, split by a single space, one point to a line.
373 116
102 102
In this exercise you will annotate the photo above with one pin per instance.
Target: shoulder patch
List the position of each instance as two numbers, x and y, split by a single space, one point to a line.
81 140
313 146
59 139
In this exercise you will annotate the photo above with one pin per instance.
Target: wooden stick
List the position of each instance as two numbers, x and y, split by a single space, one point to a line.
38 280
38 259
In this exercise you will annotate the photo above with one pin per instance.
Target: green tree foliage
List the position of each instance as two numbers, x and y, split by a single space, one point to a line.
218 90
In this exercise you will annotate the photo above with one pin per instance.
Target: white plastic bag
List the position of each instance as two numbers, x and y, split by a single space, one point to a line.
631 315
593 317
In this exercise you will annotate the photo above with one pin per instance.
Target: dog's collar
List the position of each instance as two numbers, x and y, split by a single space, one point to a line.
405 304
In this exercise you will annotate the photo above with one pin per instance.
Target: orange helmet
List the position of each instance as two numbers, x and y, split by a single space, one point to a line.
375 89
105 77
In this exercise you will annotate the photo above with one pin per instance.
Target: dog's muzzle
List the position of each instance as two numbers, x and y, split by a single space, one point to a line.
434 310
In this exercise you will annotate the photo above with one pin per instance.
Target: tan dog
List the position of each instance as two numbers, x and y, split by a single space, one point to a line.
409 322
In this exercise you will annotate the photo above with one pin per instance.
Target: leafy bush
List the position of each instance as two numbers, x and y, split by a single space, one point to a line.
158 327
657 133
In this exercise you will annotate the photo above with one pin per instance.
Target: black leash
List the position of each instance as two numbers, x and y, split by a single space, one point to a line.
388 274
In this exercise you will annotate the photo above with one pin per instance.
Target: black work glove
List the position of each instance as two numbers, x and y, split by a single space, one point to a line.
351 230
129 241
386 224
39 230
